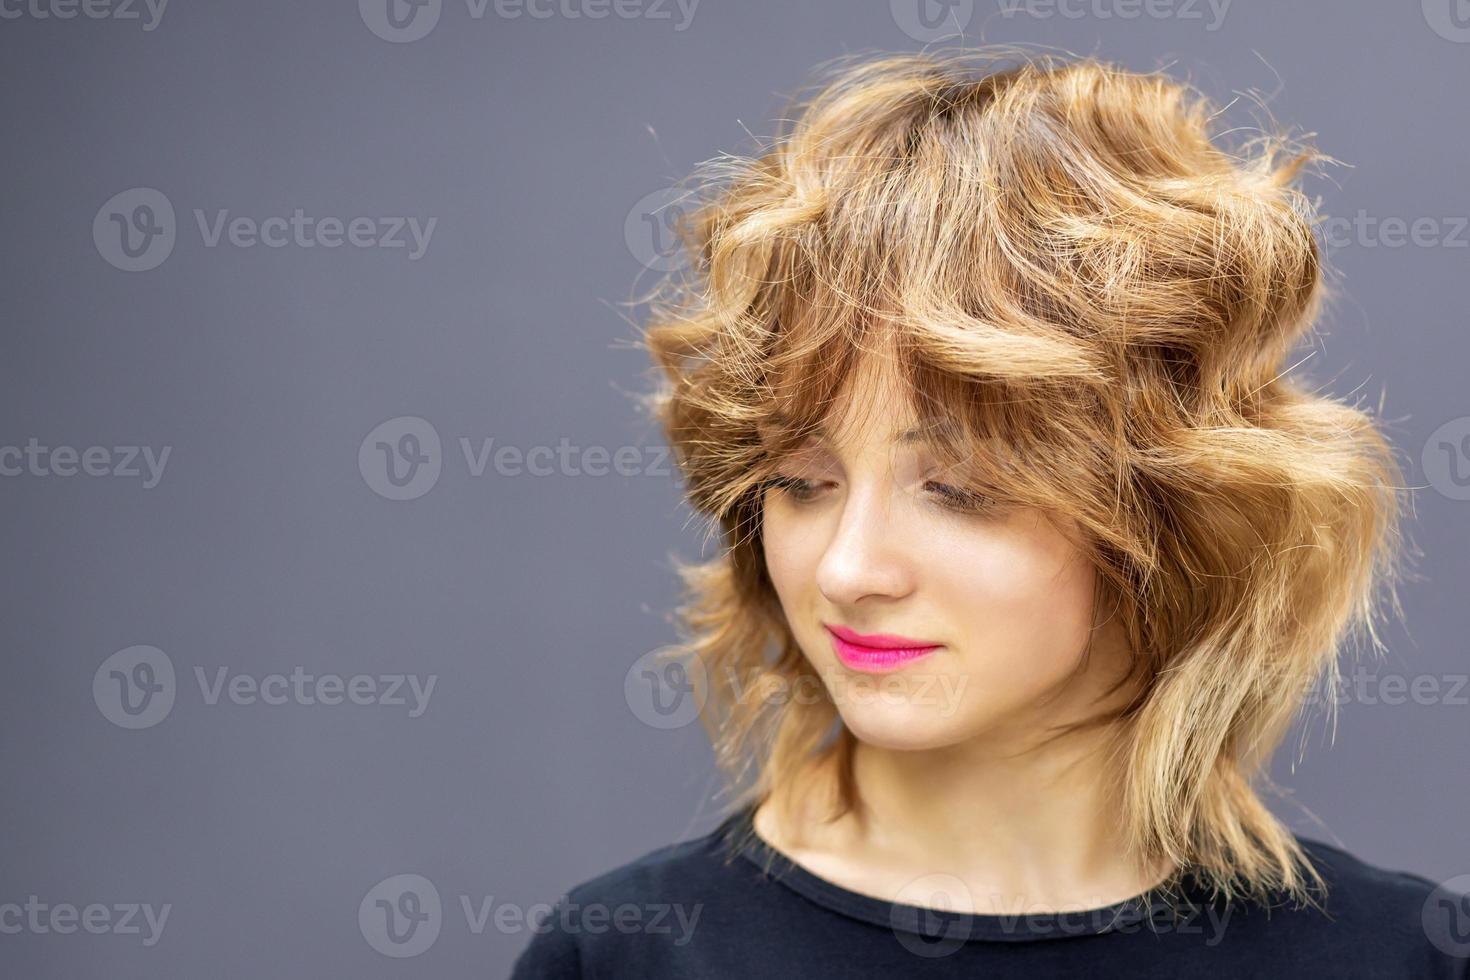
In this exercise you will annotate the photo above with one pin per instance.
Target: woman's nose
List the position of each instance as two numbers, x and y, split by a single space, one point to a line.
864 556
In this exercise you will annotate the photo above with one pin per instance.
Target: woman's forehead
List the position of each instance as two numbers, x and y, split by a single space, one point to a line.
874 401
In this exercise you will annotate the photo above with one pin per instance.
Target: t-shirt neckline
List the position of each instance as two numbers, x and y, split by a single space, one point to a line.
937 925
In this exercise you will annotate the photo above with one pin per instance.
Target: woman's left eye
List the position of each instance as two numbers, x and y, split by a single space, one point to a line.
952 496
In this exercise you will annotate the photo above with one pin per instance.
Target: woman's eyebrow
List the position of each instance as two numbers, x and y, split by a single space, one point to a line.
778 423
914 435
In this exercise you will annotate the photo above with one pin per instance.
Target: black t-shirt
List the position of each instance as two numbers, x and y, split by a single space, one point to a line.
729 905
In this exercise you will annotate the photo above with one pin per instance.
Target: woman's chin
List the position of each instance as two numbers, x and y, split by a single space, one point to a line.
903 728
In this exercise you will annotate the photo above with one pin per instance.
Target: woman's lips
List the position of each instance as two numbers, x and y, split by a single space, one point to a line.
876 653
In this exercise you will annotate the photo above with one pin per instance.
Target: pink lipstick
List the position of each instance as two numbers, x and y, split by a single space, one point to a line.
877 653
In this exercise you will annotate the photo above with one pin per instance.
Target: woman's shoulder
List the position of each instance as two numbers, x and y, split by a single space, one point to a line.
1373 920
660 895
664 873
1374 910
1358 884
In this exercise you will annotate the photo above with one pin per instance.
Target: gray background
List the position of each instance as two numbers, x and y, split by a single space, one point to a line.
265 547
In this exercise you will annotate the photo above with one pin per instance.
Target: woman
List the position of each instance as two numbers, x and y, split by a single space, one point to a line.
1032 550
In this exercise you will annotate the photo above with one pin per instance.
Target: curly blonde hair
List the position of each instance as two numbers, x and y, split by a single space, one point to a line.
1067 265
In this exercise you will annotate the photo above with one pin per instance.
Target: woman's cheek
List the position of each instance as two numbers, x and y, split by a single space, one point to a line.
1015 608
791 553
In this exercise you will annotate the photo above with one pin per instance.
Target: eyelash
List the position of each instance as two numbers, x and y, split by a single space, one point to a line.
952 497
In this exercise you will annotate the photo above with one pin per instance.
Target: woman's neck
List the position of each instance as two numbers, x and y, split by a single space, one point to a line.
1021 831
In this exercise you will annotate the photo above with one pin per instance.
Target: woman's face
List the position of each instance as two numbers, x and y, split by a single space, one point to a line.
984 611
